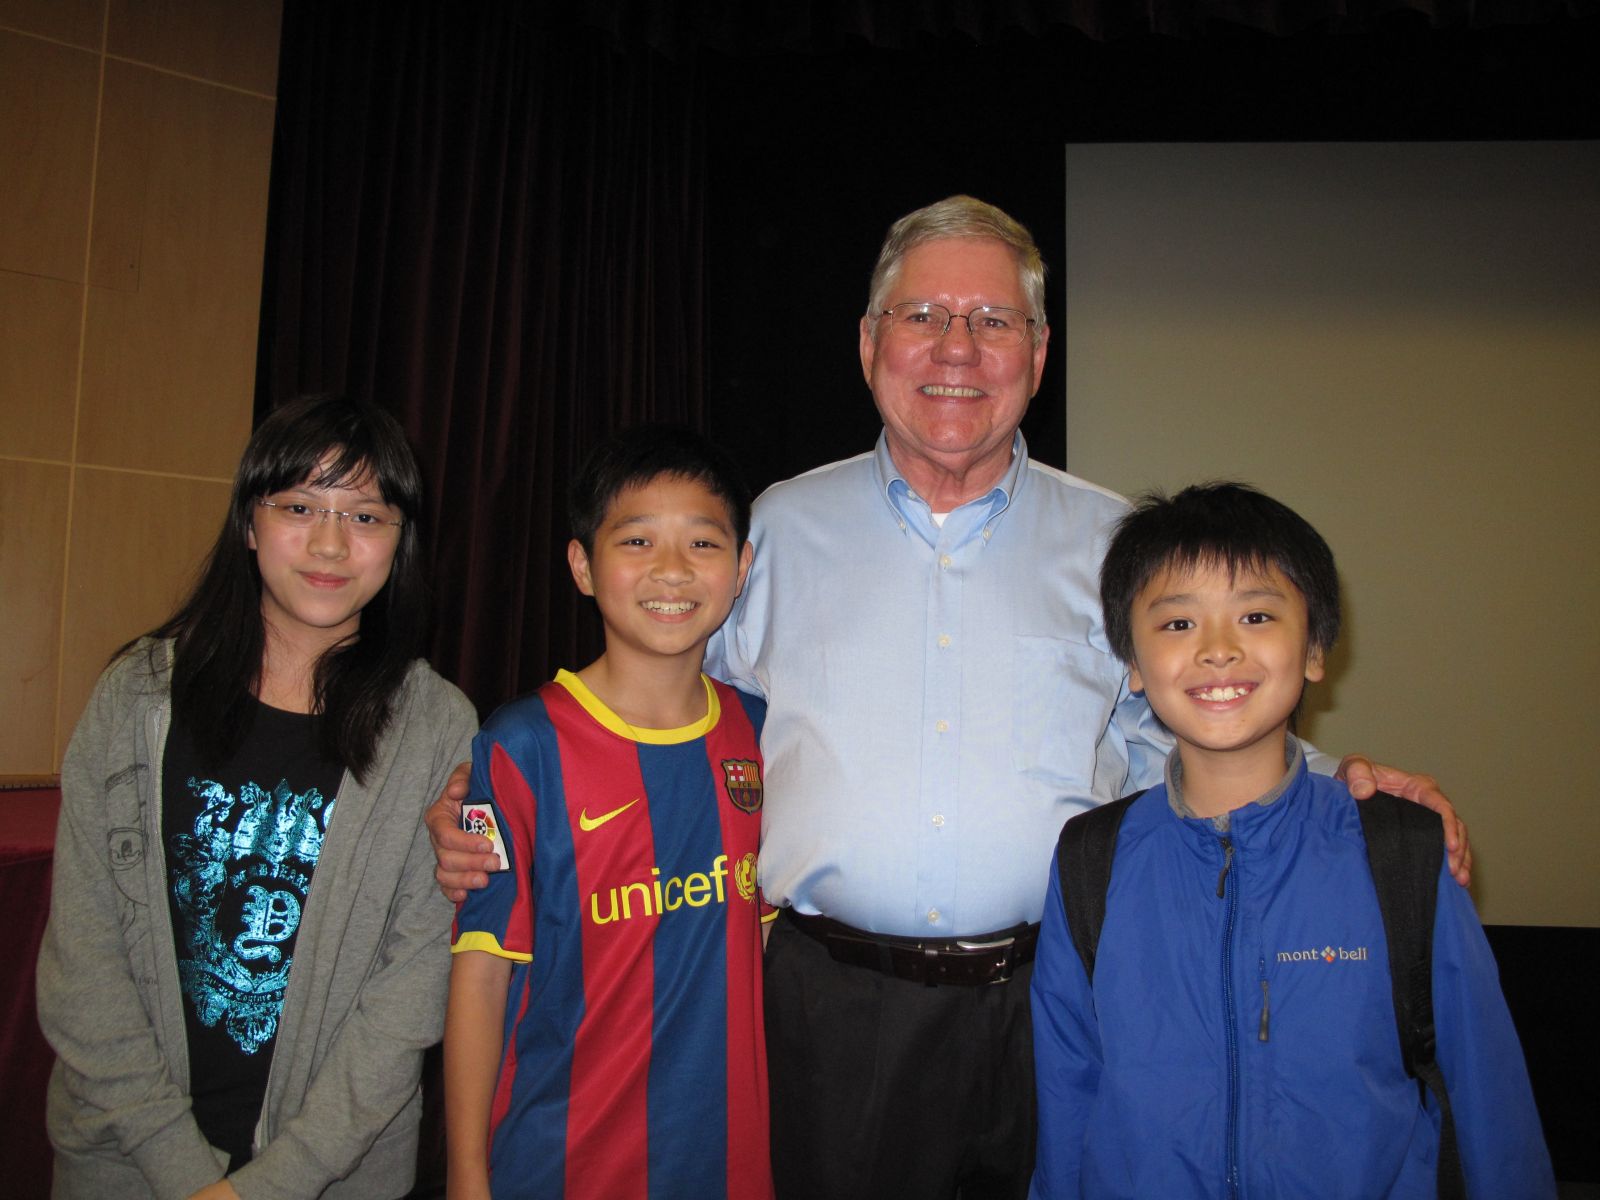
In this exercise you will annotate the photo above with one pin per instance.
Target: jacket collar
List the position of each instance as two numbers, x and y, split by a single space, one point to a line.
1256 824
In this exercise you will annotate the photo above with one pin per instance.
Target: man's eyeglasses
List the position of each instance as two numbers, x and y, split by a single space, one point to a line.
998 327
362 522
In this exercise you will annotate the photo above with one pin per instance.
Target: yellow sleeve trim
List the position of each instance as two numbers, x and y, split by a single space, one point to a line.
477 939
597 709
769 918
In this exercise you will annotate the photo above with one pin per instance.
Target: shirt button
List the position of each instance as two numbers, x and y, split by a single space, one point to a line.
938 820
933 916
941 726
944 640
944 560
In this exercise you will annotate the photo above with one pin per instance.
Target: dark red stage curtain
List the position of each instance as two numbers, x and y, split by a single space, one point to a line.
491 226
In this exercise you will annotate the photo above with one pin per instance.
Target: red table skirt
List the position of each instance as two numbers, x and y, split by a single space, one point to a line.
27 841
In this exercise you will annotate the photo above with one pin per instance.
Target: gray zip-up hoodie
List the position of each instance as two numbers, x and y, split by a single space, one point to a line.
365 998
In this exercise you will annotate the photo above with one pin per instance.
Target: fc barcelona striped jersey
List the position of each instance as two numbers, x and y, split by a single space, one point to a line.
633 1063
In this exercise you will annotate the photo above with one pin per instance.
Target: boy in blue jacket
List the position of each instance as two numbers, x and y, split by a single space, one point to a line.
1239 1038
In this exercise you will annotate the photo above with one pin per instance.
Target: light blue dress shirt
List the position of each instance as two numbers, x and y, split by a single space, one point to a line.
940 698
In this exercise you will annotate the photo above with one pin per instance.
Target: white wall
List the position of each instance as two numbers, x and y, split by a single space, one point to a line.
1402 341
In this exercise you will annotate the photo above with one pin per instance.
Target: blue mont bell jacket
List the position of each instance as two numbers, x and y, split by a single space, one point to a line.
1244 1044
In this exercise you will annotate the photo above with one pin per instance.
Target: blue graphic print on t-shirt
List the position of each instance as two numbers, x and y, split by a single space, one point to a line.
239 881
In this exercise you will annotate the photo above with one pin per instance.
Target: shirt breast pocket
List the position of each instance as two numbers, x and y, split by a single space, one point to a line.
1064 693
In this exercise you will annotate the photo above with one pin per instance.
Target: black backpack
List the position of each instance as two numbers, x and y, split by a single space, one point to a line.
1405 845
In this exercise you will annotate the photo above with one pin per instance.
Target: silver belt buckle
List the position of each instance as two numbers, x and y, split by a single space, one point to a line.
997 944
1004 943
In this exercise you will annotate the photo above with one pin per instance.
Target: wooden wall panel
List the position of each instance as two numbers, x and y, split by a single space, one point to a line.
132 219
47 116
77 22
135 543
39 321
231 42
33 524
181 213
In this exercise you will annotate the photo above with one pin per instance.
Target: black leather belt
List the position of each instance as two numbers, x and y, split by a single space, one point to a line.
988 958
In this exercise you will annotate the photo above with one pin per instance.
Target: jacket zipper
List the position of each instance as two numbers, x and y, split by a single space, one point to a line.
1262 1034
1230 901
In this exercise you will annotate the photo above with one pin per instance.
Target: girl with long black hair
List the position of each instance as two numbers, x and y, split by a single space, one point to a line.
246 954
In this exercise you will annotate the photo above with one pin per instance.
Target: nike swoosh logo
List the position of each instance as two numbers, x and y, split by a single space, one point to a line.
588 824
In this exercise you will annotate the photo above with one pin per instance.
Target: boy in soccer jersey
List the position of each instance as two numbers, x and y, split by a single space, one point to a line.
1239 1035
604 1032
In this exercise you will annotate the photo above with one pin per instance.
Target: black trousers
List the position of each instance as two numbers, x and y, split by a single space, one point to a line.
883 1089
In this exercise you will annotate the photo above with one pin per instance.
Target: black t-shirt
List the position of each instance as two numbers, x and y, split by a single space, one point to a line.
241 842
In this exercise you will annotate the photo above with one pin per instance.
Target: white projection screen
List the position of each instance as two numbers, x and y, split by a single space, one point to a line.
1401 341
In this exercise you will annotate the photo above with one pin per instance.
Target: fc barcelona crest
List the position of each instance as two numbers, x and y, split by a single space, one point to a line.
742 778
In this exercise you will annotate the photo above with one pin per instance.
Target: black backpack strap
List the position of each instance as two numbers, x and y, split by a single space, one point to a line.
1084 852
1405 846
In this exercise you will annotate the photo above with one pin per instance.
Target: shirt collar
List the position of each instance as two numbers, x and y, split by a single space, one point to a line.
909 509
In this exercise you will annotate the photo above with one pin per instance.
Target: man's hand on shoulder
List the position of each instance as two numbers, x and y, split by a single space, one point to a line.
465 859
1364 777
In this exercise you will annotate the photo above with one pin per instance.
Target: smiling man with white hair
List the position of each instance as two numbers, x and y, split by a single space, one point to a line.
924 621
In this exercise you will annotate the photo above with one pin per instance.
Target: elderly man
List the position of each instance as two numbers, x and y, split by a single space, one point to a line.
924 622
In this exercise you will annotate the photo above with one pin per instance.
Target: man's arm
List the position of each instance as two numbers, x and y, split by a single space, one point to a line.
1135 738
472 1049
1364 777
464 859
